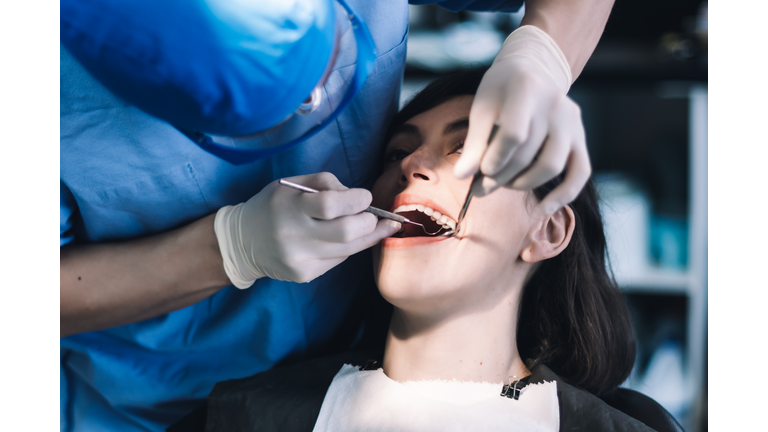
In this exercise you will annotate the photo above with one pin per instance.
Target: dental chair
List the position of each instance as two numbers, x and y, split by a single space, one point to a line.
630 402
644 409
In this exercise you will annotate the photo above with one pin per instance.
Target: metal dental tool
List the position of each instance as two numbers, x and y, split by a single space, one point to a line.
477 180
373 210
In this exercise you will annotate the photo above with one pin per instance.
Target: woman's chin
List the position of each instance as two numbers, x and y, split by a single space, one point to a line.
410 291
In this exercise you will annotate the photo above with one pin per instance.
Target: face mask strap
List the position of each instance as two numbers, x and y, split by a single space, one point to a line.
366 57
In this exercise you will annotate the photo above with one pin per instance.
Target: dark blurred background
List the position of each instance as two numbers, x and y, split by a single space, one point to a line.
644 100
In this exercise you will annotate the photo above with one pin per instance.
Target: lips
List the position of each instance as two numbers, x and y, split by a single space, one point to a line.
409 198
395 242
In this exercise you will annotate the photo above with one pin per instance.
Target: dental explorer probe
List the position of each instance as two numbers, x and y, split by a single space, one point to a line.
373 210
477 180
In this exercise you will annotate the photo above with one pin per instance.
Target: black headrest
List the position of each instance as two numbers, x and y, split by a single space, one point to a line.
644 409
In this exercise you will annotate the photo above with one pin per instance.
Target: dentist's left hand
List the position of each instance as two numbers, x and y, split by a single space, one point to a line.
284 234
541 131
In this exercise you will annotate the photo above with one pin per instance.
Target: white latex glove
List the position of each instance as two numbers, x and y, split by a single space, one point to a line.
540 131
285 234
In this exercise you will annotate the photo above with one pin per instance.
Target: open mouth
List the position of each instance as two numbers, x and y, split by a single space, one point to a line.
435 224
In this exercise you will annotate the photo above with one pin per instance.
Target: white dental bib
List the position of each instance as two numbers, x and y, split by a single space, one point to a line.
370 401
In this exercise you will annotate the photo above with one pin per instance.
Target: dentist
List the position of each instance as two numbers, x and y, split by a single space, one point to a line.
177 117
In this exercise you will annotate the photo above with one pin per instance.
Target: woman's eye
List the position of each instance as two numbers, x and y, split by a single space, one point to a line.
395 155
459 148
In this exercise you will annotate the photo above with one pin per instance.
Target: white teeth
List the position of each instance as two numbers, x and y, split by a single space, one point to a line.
436 216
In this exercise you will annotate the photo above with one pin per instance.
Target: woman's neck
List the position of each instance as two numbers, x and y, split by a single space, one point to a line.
476 346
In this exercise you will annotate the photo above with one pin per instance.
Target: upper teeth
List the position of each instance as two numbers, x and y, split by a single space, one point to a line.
435 215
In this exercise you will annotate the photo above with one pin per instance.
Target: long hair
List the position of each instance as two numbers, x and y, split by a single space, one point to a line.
573 317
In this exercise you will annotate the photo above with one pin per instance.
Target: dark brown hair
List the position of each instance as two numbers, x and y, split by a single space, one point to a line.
573 317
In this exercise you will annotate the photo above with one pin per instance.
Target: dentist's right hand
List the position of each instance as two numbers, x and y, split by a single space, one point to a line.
285 234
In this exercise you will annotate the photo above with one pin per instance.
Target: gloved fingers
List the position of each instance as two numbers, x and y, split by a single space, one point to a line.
309 269
519 161
384 228
563 127
550 162
345 229
482 116
331 204
322 181
518 125
579 170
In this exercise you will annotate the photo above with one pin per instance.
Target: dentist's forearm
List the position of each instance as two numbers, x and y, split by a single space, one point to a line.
111 284
575 25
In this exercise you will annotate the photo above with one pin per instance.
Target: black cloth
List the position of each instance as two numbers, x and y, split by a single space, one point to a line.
289 398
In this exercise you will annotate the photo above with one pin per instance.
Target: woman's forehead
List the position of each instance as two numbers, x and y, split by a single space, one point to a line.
453 109
447 118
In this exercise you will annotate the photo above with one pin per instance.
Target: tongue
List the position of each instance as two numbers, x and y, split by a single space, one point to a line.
410 230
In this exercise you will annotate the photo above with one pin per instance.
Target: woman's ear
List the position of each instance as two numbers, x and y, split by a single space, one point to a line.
549 236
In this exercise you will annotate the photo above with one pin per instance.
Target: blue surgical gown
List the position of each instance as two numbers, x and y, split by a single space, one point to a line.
126 174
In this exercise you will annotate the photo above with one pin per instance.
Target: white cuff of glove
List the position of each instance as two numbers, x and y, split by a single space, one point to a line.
535 44
227 228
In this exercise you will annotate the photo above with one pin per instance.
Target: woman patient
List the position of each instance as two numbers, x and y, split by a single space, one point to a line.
515 293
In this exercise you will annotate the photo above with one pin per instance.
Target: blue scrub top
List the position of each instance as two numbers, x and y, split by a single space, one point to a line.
126 174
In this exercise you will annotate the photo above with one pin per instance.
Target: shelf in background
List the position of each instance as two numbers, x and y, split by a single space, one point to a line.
656 280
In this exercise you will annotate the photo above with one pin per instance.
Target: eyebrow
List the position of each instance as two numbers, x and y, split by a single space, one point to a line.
452 127
407 129
456 126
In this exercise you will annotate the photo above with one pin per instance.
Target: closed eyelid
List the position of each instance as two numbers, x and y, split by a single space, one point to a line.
406 135
408 130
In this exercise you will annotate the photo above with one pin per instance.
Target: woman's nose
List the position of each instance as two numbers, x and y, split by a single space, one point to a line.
418 167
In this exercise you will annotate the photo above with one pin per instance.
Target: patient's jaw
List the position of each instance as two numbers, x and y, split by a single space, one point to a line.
478 268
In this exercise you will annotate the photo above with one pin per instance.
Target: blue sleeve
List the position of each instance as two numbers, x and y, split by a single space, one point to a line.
475 5
68 208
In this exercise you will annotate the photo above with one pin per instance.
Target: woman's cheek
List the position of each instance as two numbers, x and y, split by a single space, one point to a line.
502 218
382 189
